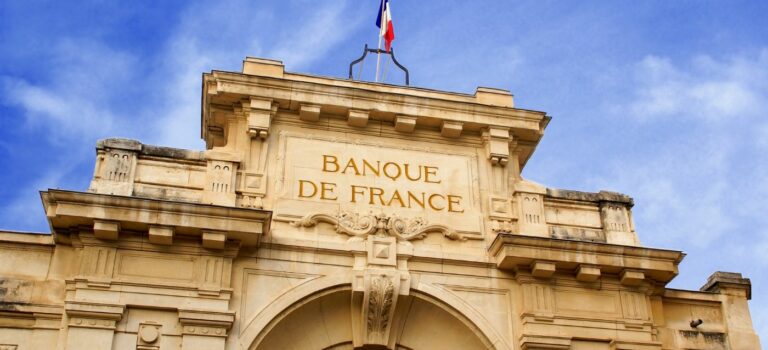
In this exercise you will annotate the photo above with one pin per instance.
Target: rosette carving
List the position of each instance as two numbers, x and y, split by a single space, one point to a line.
356 225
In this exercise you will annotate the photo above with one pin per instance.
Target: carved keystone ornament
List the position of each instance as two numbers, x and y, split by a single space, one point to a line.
382 225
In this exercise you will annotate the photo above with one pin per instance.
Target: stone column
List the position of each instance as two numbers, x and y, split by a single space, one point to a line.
91 325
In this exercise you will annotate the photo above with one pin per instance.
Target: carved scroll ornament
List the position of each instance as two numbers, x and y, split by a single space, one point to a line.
356 225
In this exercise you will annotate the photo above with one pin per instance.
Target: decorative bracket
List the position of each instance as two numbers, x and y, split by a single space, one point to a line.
377 288
497 145
382 225
259 113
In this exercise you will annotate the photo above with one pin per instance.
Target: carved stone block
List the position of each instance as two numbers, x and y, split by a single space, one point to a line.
214 240
405 123
531 220
220 182
382 250
108 230
160 235
451 129
309 113
259 113
542 269
148 336
586 273
497 145
632 278
357 118
379 301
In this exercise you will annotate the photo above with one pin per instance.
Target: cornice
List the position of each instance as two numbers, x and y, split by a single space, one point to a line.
70 210
631 263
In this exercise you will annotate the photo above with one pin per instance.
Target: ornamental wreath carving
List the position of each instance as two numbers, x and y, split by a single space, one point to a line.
361 226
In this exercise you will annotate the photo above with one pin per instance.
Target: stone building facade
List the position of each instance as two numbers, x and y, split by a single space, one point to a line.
335 214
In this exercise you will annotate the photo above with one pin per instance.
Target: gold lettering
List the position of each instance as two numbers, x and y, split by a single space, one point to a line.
301 189
376 192
355 192
415 199
432 205
327 187
427 172
376 170
396 196
406 165
333 160
351 164
393 177
454 200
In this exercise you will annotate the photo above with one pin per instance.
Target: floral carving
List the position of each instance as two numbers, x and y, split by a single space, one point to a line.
379 304
356 225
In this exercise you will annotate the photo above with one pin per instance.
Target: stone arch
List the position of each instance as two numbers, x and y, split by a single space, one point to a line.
319 316
259 326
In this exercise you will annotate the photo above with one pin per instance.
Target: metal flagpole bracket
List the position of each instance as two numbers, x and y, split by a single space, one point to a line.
391 53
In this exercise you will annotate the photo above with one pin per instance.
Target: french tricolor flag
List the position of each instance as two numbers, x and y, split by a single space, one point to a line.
386 31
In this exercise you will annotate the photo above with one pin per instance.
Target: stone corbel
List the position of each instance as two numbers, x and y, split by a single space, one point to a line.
106 230
497 145
404 123
451 129
357 118
309 112
259 113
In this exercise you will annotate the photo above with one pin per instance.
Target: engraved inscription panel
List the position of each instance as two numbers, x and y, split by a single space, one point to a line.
329 176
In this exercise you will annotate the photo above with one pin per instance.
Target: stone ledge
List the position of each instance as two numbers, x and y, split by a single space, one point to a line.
602 196
95 310
514 251
148 150
69 209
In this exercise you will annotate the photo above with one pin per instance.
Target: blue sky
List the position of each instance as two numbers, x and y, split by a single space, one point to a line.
666 101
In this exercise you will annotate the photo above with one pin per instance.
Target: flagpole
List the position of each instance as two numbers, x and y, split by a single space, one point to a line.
378 54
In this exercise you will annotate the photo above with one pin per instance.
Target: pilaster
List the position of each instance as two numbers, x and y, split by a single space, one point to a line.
204 330
91 325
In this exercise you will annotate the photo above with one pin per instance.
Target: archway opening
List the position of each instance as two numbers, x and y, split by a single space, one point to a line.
326 322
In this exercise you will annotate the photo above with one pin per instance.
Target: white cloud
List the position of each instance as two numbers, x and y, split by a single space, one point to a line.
94 89
303 46
75 101
192 50
704 89
695 170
